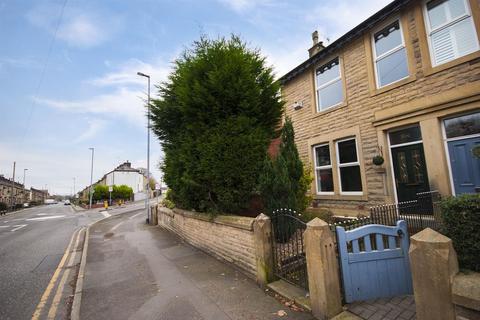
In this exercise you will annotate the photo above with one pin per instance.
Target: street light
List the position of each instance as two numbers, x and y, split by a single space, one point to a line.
147 198
91 180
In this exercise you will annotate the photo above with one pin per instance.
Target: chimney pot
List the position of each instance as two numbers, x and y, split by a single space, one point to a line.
315 37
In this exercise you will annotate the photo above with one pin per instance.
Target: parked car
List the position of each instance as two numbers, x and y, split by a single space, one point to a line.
26 205
67 202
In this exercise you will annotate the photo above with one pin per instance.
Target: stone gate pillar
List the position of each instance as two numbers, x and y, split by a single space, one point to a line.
262 233
434 264
323 272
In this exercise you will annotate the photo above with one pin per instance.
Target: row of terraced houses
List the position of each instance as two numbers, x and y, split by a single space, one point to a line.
403 85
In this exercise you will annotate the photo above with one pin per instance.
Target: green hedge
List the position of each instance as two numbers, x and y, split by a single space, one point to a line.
3 206
461 217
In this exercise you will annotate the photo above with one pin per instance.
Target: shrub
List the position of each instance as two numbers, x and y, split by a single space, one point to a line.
3 206
100 192
215 117
284 180
461 217
324 214
123 192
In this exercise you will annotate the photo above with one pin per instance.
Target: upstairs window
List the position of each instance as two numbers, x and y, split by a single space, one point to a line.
329 85
390 55
451 30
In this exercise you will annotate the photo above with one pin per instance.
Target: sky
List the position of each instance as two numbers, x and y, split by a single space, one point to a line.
68 71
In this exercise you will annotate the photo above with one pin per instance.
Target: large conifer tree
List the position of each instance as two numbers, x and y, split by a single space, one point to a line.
215 118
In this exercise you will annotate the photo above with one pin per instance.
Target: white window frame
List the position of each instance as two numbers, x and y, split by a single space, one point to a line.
317 88
349 164
390 52
317 167
430 32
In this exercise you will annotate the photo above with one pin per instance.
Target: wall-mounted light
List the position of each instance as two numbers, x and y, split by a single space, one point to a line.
297 105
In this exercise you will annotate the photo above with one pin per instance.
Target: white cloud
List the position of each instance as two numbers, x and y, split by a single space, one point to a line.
244 5
94 127
77 28
123 102
126 73
335 18
19 62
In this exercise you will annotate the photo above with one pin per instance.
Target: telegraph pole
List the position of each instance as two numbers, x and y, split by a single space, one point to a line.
13 186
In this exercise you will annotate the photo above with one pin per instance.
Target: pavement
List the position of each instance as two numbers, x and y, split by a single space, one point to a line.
34 282
137 271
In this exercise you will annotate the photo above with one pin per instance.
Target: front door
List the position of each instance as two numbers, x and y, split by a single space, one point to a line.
410 171
409 168
465 165
462 134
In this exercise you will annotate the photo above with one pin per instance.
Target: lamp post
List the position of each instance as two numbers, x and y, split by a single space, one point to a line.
90 195
147 191
24 186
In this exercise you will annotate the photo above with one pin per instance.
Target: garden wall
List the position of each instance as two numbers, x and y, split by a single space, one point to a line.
229 238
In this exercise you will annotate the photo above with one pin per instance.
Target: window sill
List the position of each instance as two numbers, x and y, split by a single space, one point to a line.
392 86
432 70
343 197
331 109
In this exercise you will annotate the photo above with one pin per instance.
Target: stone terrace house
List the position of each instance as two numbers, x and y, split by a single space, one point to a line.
19 193
404 84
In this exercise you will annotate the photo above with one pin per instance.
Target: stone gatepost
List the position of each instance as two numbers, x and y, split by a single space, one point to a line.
434 264
323 272
262 234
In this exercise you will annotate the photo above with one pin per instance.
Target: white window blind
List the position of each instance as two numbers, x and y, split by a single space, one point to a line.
451 30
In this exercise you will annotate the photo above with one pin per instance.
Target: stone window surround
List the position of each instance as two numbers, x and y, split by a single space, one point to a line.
344 103
420 24
370 56
331 139
394 50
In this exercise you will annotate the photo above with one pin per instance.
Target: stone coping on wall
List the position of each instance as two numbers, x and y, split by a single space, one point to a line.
238 222
466 290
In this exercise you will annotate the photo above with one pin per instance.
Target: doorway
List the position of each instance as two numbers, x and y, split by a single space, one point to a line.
408 160
463 142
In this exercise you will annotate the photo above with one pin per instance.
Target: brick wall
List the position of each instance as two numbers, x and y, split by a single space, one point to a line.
229 238
361 106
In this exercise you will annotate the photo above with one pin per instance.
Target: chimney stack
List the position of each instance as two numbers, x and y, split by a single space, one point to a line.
317 45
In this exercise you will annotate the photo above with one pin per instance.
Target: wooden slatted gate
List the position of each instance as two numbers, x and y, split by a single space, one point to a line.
374 261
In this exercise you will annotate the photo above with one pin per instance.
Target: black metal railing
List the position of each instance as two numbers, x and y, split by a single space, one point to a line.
424 212
290 263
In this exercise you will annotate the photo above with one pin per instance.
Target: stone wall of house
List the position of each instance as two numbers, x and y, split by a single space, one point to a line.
229 238
361 106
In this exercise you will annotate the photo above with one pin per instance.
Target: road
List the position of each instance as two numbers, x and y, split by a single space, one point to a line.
32 244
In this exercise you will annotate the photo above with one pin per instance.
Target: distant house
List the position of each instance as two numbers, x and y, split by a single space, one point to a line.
123 174
404 84
37 195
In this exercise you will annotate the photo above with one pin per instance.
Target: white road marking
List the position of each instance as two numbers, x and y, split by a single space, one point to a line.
42 214
105 214
45 218
18 227
4 226
116 226
136 215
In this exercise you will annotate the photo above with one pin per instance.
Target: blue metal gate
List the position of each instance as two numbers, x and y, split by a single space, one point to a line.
374 261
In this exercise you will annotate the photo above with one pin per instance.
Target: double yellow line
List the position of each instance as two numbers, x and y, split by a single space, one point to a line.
51 285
